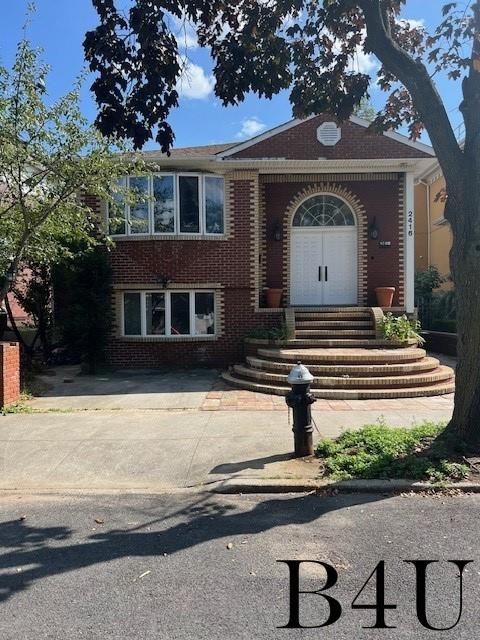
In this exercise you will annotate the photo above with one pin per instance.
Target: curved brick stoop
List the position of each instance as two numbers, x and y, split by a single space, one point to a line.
343 351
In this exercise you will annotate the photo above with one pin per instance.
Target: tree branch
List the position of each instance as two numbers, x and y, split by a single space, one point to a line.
415 77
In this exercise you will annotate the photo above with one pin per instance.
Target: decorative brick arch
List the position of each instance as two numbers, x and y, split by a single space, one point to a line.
358 210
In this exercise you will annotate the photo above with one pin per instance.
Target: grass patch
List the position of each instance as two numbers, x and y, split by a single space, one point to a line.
380 451
16 407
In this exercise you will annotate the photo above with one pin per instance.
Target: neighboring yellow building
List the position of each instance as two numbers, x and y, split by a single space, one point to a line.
433 237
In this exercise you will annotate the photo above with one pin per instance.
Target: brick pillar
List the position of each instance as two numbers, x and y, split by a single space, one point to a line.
9 372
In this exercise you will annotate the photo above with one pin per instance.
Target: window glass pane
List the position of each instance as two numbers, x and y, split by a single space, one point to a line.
164 206
189 210
214 200
132 324
139 210
323 211
204 314
155 307
180 313
116 212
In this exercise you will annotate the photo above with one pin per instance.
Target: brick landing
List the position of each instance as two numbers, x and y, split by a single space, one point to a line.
224 398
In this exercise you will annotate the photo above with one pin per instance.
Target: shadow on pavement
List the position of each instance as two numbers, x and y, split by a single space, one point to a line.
29 555
255 463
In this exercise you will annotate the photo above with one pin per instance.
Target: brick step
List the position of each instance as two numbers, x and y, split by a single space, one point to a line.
440 374
364 356
440 388
333 316
352 370
307 343
332 310
327 324
333 333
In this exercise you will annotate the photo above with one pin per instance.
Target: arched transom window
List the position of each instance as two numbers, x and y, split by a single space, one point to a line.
324 211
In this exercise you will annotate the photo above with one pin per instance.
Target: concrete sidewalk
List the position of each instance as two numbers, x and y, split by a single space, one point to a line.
161 450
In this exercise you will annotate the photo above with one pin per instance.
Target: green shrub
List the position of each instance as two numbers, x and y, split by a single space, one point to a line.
379 451
280 332
449 326
400 329
426 281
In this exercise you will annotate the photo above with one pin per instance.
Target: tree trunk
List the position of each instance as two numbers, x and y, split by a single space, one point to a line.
465 267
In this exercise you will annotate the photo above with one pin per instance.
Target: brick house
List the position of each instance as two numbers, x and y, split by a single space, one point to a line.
322 211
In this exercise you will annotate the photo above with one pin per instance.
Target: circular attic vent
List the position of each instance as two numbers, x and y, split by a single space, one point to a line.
329 133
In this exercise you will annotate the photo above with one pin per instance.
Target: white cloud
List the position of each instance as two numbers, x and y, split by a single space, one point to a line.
194 83
414 24
251 127
361 62
185 34
364 62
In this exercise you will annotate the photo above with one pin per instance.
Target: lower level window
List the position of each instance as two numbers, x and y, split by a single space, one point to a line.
169 313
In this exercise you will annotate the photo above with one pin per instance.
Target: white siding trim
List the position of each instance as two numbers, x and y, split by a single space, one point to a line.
410 242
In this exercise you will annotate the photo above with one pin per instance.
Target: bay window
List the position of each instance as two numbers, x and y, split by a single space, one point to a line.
168 313
189 204
214 204
163 204
175 204
139 222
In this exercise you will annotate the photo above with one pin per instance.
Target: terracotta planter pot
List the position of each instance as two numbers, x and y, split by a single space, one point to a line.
385 296
274 297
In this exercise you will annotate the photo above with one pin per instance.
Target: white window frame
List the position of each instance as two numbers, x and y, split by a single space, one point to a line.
164 174
202 209
168 314
201 204
204 200
128 209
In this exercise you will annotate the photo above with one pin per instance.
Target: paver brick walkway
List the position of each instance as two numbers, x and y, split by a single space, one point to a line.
224 398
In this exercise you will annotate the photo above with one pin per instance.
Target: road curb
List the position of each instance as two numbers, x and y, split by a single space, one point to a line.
259 485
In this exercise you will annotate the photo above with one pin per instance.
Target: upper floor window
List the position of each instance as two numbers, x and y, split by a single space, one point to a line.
168 203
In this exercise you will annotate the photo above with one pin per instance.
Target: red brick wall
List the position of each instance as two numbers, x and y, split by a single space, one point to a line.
139 263
380 200
9 372
300 142
228 263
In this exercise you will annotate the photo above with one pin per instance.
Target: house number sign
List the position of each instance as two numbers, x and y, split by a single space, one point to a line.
410 223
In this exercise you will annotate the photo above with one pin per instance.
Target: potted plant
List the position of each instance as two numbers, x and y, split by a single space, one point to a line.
385 296
273 297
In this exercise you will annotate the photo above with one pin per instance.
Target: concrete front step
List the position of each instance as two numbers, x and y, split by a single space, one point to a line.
440 374
333 333
352 370
344 355
439 388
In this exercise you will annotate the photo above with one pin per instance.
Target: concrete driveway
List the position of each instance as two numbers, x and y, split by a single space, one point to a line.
64 388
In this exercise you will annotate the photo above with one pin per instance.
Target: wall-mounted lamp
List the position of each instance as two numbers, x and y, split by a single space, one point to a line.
373 230
165 280
277 232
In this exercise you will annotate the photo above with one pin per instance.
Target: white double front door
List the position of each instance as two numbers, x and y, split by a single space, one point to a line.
323 266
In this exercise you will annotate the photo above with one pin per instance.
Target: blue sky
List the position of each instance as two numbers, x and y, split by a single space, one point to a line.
59 28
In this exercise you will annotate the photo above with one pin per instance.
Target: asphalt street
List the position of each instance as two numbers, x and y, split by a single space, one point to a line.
200 566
